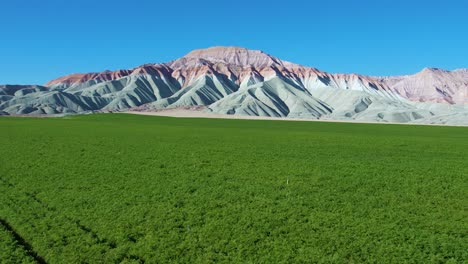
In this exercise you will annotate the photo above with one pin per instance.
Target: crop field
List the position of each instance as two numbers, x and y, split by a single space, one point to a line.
120 188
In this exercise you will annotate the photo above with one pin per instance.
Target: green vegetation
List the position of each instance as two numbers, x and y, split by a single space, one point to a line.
11 251
126 188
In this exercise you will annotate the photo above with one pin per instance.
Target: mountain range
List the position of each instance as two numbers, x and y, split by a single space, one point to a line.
239 81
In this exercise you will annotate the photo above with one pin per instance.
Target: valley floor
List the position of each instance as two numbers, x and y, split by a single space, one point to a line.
197 113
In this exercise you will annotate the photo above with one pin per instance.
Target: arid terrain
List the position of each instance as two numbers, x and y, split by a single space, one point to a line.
238 81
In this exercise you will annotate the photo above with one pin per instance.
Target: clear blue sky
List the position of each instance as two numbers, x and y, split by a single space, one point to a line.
42 40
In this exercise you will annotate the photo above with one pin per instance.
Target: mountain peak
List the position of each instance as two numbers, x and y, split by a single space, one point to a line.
236 55
432 70
219 51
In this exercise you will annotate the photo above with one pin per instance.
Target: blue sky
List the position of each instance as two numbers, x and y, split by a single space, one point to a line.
42 40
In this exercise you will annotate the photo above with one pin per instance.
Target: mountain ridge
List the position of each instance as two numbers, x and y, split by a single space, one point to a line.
236 80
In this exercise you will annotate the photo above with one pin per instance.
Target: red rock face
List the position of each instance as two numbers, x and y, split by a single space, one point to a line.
238 63
236 56
432 85
232 62
81 78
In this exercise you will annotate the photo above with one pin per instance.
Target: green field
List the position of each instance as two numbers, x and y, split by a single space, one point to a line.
113 188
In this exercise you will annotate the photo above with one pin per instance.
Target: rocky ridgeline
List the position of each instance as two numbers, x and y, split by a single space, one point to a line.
238 81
